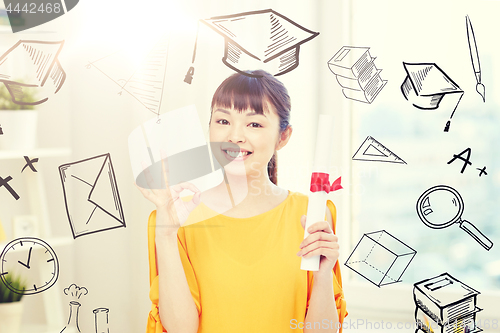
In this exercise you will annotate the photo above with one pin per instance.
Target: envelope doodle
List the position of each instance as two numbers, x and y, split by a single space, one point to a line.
91 195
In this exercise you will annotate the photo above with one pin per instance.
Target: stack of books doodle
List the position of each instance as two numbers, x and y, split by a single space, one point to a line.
445 305
356 73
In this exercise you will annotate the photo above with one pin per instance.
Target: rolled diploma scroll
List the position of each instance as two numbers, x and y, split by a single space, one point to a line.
317 200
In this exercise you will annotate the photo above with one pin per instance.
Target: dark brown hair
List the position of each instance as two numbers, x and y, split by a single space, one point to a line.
242 92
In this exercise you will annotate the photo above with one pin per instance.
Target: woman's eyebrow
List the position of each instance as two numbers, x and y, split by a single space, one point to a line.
251 113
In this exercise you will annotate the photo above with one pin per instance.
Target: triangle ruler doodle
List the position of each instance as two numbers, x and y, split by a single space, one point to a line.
372 150
144 83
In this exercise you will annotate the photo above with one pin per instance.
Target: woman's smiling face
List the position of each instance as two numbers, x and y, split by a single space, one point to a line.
246 137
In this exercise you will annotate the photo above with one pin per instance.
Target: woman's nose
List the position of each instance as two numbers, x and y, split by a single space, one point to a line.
236 135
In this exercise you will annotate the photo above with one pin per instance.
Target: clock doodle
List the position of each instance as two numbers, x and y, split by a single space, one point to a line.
33 259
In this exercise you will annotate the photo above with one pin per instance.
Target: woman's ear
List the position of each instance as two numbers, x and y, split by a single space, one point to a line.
284 137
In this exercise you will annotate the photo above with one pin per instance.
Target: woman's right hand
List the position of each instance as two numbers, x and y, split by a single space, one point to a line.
171 211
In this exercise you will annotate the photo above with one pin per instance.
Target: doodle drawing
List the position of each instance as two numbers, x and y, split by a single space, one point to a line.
90 187
29 163
146 82
442 206
4 183
356 73
262 39
444 304
101 320
380 258
474 57
74 307
45 74
426 85
32 258
372 150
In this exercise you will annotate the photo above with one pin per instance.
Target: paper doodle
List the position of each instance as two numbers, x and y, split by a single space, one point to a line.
380 258
26 256
442 206
262 39
45 74
357 74
90 185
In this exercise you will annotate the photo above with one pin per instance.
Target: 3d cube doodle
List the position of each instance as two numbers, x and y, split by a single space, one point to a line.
380 258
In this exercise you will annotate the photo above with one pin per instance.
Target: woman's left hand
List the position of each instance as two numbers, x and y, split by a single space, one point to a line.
321 241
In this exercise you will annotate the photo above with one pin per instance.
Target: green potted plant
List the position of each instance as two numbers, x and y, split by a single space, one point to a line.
17 122
11 307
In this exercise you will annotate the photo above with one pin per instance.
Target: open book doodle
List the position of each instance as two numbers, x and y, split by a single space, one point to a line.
145 83
43 74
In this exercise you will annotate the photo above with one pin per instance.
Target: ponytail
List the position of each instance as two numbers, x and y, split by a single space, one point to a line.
272 169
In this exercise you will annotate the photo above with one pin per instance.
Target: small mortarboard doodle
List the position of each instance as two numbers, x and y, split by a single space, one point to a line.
442 206
372 150
91 186
356 73
261 39
26 14
444 304
426 85
144 83
45 75
380 258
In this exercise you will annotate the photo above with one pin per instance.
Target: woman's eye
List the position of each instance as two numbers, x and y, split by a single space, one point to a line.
255 125
222 122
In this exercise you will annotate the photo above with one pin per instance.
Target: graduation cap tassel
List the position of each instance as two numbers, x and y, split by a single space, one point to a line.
189 75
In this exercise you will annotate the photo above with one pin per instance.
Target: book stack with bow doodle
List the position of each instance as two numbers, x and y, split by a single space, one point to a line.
444 304
357 74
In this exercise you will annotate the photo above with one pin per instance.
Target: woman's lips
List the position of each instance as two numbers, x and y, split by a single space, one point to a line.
239 158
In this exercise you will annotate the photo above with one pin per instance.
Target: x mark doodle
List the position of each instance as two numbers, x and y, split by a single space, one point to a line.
4 182
30 163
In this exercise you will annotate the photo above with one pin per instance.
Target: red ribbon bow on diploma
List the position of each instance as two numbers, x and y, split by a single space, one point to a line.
320 182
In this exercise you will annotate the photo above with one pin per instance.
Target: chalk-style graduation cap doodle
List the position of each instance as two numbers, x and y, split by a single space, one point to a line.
426 85
45 74
372 150
91 195
262 39
177 138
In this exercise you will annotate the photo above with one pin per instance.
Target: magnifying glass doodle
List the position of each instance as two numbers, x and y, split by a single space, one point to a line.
441 206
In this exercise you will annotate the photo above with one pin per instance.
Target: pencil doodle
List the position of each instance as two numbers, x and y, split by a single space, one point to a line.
474 57
380 258
146 82
426 85
4 183
357 74
445 304
263 39
26 14
442 206
45 74
29 163
372 150
91 185
32 258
